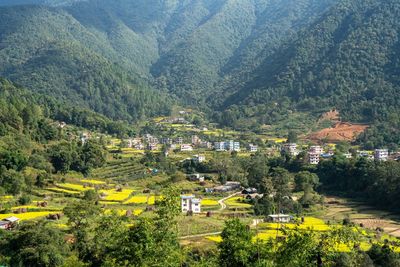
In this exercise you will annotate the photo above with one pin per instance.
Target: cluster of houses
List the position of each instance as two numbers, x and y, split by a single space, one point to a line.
152 143
316 153
9 223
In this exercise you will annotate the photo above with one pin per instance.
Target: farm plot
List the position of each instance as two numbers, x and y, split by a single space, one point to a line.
116 195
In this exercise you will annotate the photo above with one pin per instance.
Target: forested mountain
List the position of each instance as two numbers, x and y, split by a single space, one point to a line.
252 61
47 50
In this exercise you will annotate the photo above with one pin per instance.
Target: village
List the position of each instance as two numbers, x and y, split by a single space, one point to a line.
130 187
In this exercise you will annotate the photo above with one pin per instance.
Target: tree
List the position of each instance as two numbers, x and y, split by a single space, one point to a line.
37 244
305 179
236 248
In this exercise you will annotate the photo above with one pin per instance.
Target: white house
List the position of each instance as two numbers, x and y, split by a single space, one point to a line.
291 149
253 148
219 146
186 147
232 146
313 158
279 218
381 154
316 149
190 204
199 158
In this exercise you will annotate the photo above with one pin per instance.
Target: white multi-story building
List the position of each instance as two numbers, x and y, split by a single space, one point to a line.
253 148
179 140
186 147
232 145
219 146
190 204
291 149
313 158
316 149
381 154
199 158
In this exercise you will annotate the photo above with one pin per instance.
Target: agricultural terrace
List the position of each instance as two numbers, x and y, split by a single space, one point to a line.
267 231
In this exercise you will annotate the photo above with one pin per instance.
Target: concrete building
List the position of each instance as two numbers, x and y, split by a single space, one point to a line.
313 158
381 154
232 146
279 218
179 140
196 140
253 148
291 149
186 147
199 158
190 204
219 146
316 149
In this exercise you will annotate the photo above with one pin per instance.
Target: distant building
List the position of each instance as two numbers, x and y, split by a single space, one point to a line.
250 190
253 148
279 218
166 141
232 146
205 144
381 154
316 149
347 155
196 177
228 186
313 158
199 158
8 223
291 149
152 146
186 147
190 204
219 146
254 196
196 140
179 140
85 137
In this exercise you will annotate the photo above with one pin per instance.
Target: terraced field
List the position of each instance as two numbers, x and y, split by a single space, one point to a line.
122 170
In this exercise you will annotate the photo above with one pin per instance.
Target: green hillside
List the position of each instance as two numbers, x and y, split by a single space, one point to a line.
48 51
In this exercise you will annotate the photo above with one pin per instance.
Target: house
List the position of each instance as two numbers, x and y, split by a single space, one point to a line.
179 140
166 141
250 190
313 158
228 186
253 148
219 146
381 154
85 137
190 204
291 149
196 140
316 149
199 158
254 196
152 146
196 177
232 146
279 218
205 144
347 155
139 146
186 147
8 223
